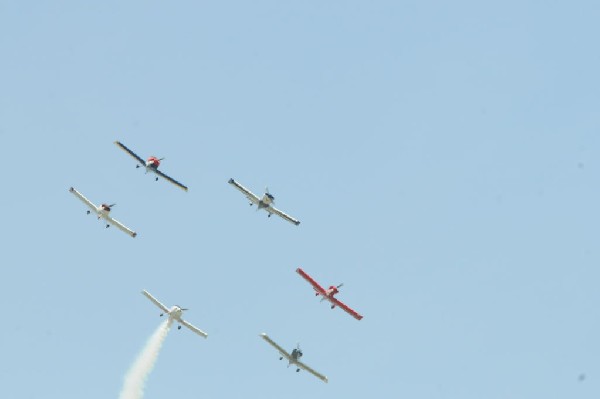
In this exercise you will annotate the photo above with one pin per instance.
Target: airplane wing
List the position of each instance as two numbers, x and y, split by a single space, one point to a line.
156 301
83 199
313 372
121 226
274 345
345 307
249 194
308 278
175 182
272 209
193 328
133 154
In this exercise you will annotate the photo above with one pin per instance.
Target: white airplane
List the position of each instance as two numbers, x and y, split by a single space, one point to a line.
175 314
293 358
102 212
266 202
151 165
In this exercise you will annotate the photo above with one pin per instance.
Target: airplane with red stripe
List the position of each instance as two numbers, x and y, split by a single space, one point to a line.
329 294
151 165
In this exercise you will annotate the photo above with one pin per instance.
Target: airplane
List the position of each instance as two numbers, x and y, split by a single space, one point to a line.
266 202
293 358
151 165
175 314
328 294
102 212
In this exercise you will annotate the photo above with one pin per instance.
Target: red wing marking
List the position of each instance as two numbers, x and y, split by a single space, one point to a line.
312 282
345 307
331 299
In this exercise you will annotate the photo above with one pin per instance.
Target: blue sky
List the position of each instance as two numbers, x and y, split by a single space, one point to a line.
441 157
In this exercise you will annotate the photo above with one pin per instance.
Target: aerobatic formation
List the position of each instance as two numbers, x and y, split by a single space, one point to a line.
135 378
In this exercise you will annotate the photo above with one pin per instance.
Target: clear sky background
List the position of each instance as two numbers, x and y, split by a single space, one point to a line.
441 156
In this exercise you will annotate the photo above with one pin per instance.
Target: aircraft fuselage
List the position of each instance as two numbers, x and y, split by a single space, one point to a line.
152 164
265 201
102 211
175 313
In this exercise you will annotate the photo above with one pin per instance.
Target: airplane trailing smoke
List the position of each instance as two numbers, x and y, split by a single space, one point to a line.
135 379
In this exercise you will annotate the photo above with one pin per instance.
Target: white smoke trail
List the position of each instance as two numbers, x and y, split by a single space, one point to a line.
135 379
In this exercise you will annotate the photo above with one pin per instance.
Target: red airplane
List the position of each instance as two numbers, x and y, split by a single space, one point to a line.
328 294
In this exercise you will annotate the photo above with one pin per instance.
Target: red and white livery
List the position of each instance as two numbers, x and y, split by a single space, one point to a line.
103 212
329 294
151 165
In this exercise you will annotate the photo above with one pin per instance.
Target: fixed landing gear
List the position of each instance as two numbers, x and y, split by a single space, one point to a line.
250 204
107 226
269 215
179 327
156 179
281 358
137 166
297 370
161 315
88 212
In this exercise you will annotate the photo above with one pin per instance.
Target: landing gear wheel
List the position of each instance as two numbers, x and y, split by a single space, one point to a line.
332 306
179 327
156 179
297 370
107 226
88 212
137 166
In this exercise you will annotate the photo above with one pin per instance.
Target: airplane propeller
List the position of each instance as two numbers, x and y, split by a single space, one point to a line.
268 194
299 355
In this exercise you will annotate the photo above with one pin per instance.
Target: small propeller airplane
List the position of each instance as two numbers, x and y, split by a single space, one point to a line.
175 314
266 202
102 212
151 165
328 294
293 358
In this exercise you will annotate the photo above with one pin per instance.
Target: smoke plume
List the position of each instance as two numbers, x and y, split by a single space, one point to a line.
135 379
